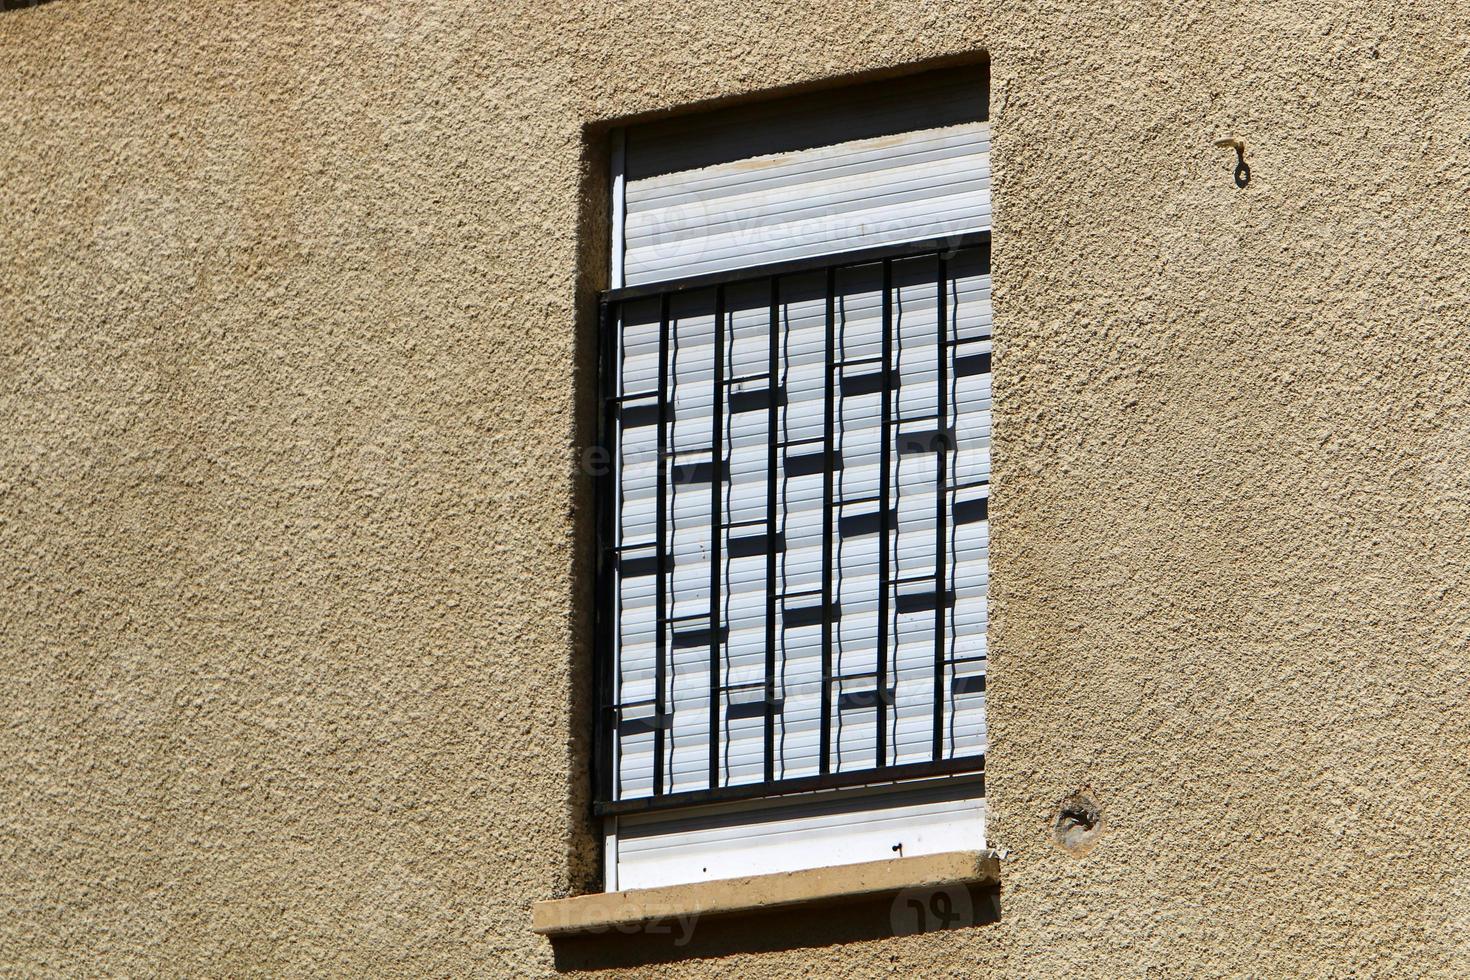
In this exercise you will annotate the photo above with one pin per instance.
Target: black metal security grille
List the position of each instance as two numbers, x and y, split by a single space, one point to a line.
793 531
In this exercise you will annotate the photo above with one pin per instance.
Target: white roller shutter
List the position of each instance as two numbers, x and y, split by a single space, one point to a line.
905 187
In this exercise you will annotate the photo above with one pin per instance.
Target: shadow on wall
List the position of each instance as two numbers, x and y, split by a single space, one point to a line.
908 913
20 4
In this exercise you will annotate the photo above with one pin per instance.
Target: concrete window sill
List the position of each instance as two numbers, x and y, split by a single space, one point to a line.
630 911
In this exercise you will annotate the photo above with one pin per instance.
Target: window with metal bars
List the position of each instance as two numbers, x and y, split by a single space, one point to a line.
795 528
794 531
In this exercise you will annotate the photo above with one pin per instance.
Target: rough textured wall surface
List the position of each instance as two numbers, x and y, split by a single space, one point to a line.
290 300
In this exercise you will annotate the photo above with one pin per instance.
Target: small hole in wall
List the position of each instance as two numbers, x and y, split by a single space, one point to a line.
1078 824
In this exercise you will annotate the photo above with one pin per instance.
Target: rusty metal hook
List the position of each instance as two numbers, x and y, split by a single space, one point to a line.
1242 169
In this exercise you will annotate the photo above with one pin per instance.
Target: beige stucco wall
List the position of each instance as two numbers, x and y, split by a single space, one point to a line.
289 299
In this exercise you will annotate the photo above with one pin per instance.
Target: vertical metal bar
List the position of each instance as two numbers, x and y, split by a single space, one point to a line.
608 487
772 439
717 524
829 449
604 758
884 545
661 509
941 499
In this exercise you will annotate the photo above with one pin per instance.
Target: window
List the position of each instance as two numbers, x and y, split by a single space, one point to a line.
794 535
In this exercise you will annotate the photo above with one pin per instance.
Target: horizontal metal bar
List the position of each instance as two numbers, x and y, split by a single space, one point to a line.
864 699
804 784
642 726
812 464
795 617
968 684
971 511
859 256
972 364
754 709
924 601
